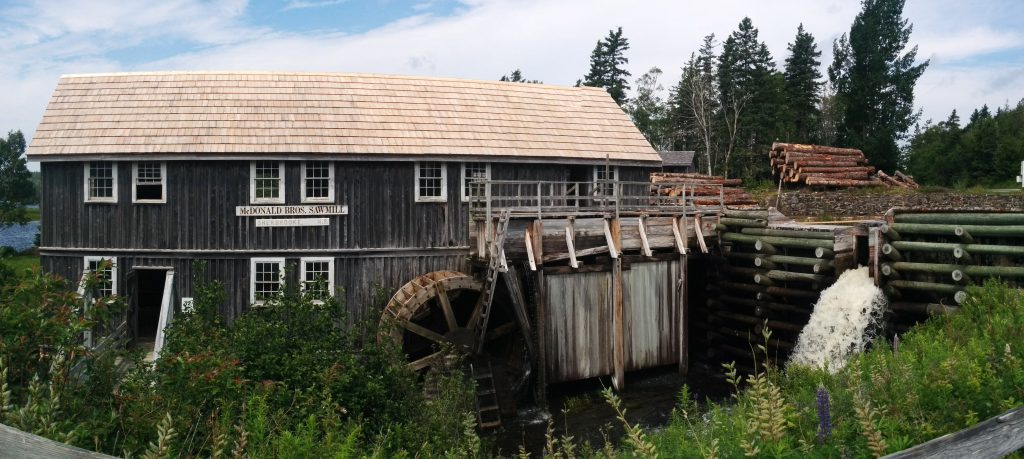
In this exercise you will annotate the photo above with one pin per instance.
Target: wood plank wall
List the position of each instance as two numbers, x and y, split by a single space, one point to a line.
383 242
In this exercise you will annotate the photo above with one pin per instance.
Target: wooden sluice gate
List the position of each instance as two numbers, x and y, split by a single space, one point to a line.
925 258
604 269
770 275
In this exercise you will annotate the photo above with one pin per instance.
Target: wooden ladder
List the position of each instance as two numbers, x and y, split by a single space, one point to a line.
494 266
488 415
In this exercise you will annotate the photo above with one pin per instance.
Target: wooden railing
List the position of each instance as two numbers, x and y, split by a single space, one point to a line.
613 198
995 437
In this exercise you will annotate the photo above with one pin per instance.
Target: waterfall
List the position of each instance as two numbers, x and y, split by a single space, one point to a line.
843 322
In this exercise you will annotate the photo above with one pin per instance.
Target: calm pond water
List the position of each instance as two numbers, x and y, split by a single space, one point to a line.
19 237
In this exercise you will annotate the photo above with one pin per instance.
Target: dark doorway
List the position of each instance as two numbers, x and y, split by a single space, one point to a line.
145 306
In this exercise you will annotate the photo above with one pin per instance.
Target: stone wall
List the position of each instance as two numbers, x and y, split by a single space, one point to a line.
864 204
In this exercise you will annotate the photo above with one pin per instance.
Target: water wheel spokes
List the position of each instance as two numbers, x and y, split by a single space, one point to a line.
433 315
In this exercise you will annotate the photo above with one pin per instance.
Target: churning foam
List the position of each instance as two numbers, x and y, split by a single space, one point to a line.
842 323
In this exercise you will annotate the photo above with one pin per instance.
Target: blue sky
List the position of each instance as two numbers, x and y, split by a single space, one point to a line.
976 47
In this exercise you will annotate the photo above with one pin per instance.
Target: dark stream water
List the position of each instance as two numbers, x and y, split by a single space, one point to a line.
577 409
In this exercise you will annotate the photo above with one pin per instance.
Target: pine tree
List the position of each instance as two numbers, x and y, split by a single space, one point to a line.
750 90
517 77
648 110
874 81
16 189
606 63
802 88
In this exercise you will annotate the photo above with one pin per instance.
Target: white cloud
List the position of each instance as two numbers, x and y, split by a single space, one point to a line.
549 40
301 4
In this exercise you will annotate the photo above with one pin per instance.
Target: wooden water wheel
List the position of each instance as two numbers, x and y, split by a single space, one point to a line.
439 312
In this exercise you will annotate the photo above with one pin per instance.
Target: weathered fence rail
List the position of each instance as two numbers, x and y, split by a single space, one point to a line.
23 445
996 437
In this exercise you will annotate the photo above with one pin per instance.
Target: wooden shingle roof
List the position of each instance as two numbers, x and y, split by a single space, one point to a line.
214 114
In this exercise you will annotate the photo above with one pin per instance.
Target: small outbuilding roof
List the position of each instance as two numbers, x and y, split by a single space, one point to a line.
676 158
232 114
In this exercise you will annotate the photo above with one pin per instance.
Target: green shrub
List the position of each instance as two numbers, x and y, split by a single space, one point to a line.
947 374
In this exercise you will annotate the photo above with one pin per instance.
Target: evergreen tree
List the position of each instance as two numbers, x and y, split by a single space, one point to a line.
874 81
606 66
648 110
16 189
802 88
750 91
517 77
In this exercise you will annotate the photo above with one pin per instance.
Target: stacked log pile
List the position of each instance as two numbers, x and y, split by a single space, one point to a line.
707 190
821 165
771 276
927 258
830 166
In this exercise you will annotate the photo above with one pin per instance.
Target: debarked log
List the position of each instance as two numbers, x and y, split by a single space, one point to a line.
824 235
950 229
754 320
971 270
931 287
922 308
815 181
963 218
743 222
985 249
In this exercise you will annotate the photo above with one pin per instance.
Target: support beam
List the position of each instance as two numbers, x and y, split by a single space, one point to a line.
528 240
619 328
679 235
570 242
610 239
645 246
540 367
700 234
538 240
683 314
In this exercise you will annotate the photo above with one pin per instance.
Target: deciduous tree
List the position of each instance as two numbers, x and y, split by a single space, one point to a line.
648 109
16 189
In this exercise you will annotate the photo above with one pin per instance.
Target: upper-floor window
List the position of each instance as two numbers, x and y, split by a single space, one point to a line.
431 182
472 173
317 181
106 272
604 174
149 182
267 275
266 183
101 181
317 277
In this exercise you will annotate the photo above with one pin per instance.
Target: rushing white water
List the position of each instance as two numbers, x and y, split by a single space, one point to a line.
842 323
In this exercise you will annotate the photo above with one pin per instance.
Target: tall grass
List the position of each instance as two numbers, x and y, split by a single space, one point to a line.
945 375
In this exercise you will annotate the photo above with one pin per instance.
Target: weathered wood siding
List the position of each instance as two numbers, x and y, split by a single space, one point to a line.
650 294
579 320
385 240
578 328
362 280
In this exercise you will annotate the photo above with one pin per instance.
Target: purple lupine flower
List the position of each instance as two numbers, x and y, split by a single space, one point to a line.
824 414
895 344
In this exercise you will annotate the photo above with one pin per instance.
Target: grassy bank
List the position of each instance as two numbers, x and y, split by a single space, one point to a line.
21 263
943 376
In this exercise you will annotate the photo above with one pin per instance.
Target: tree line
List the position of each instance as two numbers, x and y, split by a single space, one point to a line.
732 101
986 151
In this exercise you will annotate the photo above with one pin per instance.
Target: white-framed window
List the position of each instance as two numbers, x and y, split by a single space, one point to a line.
317 274
266 277
106 269
317 181
605 173
101 181
431 181
471 172
266 182
149 182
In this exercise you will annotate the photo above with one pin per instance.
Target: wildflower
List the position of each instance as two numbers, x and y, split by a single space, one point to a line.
824 414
